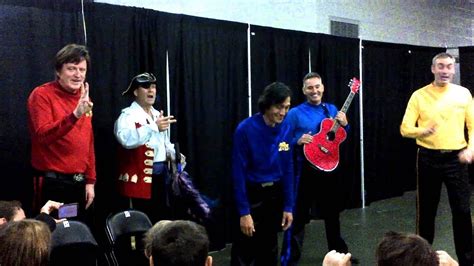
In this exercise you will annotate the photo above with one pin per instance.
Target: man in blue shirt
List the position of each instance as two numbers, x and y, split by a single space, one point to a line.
263 179
315 189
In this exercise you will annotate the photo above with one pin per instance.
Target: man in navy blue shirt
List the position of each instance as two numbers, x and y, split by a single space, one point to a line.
315 190
263 179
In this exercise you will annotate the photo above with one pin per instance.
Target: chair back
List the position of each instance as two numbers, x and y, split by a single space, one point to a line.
72 243
125 231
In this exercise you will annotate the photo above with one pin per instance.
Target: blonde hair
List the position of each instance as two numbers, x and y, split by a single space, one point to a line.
25 242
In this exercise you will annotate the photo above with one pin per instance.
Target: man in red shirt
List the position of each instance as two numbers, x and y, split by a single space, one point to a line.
60 122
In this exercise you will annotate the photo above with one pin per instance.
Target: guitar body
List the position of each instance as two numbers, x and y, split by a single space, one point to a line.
323 151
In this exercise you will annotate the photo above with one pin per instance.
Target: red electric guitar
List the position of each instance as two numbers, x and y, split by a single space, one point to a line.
323 151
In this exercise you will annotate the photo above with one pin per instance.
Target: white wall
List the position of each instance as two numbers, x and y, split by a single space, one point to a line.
446 23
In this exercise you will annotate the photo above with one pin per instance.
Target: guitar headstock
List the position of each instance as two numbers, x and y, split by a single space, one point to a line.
354 84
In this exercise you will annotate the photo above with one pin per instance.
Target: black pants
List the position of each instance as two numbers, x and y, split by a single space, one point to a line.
266 210
156 208
434 168
63 188
316 196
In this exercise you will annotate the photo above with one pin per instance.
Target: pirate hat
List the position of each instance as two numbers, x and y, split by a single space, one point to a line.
141 80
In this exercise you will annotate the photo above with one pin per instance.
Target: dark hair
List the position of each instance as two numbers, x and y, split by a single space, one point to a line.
405 249
25 242
71 53
441 55
275 93
8 209
311 75
177 243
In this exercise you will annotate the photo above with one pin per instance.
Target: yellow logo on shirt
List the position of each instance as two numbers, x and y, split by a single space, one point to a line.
283 146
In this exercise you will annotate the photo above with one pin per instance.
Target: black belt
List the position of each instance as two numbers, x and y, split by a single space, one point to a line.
438 151
264 184
68 177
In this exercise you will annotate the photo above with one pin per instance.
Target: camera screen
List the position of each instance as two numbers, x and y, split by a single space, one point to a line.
67 210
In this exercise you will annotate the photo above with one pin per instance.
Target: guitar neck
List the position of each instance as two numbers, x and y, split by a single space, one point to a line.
344 109
348 102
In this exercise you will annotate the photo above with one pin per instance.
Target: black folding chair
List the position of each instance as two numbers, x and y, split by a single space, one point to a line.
72 243
125 231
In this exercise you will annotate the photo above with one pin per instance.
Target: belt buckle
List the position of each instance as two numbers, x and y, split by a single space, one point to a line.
267 184
78 177
445 151
50 175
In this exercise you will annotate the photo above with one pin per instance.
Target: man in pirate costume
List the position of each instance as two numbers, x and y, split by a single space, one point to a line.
145 149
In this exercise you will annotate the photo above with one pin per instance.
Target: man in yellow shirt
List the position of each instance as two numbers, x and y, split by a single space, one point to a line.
436 116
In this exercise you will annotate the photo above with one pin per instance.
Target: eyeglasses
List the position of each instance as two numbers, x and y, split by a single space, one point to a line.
145 78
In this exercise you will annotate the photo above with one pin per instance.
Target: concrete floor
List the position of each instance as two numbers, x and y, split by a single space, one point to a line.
363 229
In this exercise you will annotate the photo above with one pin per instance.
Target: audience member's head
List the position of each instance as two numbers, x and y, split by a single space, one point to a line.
405 249
177 243
10 211
25 242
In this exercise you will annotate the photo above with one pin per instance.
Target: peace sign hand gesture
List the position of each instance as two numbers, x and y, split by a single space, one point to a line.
84 105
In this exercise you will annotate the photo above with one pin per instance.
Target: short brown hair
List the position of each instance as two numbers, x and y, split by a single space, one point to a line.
311 75
71 53
25 242
441 55
405 249
179 242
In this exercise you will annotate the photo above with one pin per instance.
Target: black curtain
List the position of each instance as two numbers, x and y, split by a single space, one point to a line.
31 32
466 65
211 95
278 55
210 99
336 59
391 72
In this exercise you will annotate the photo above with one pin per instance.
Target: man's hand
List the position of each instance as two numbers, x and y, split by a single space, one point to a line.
429 130
183 158
305 139
90 195
84 105
246 225
341 118
286 220
334 258
163 122
50 206
445 259
466 156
